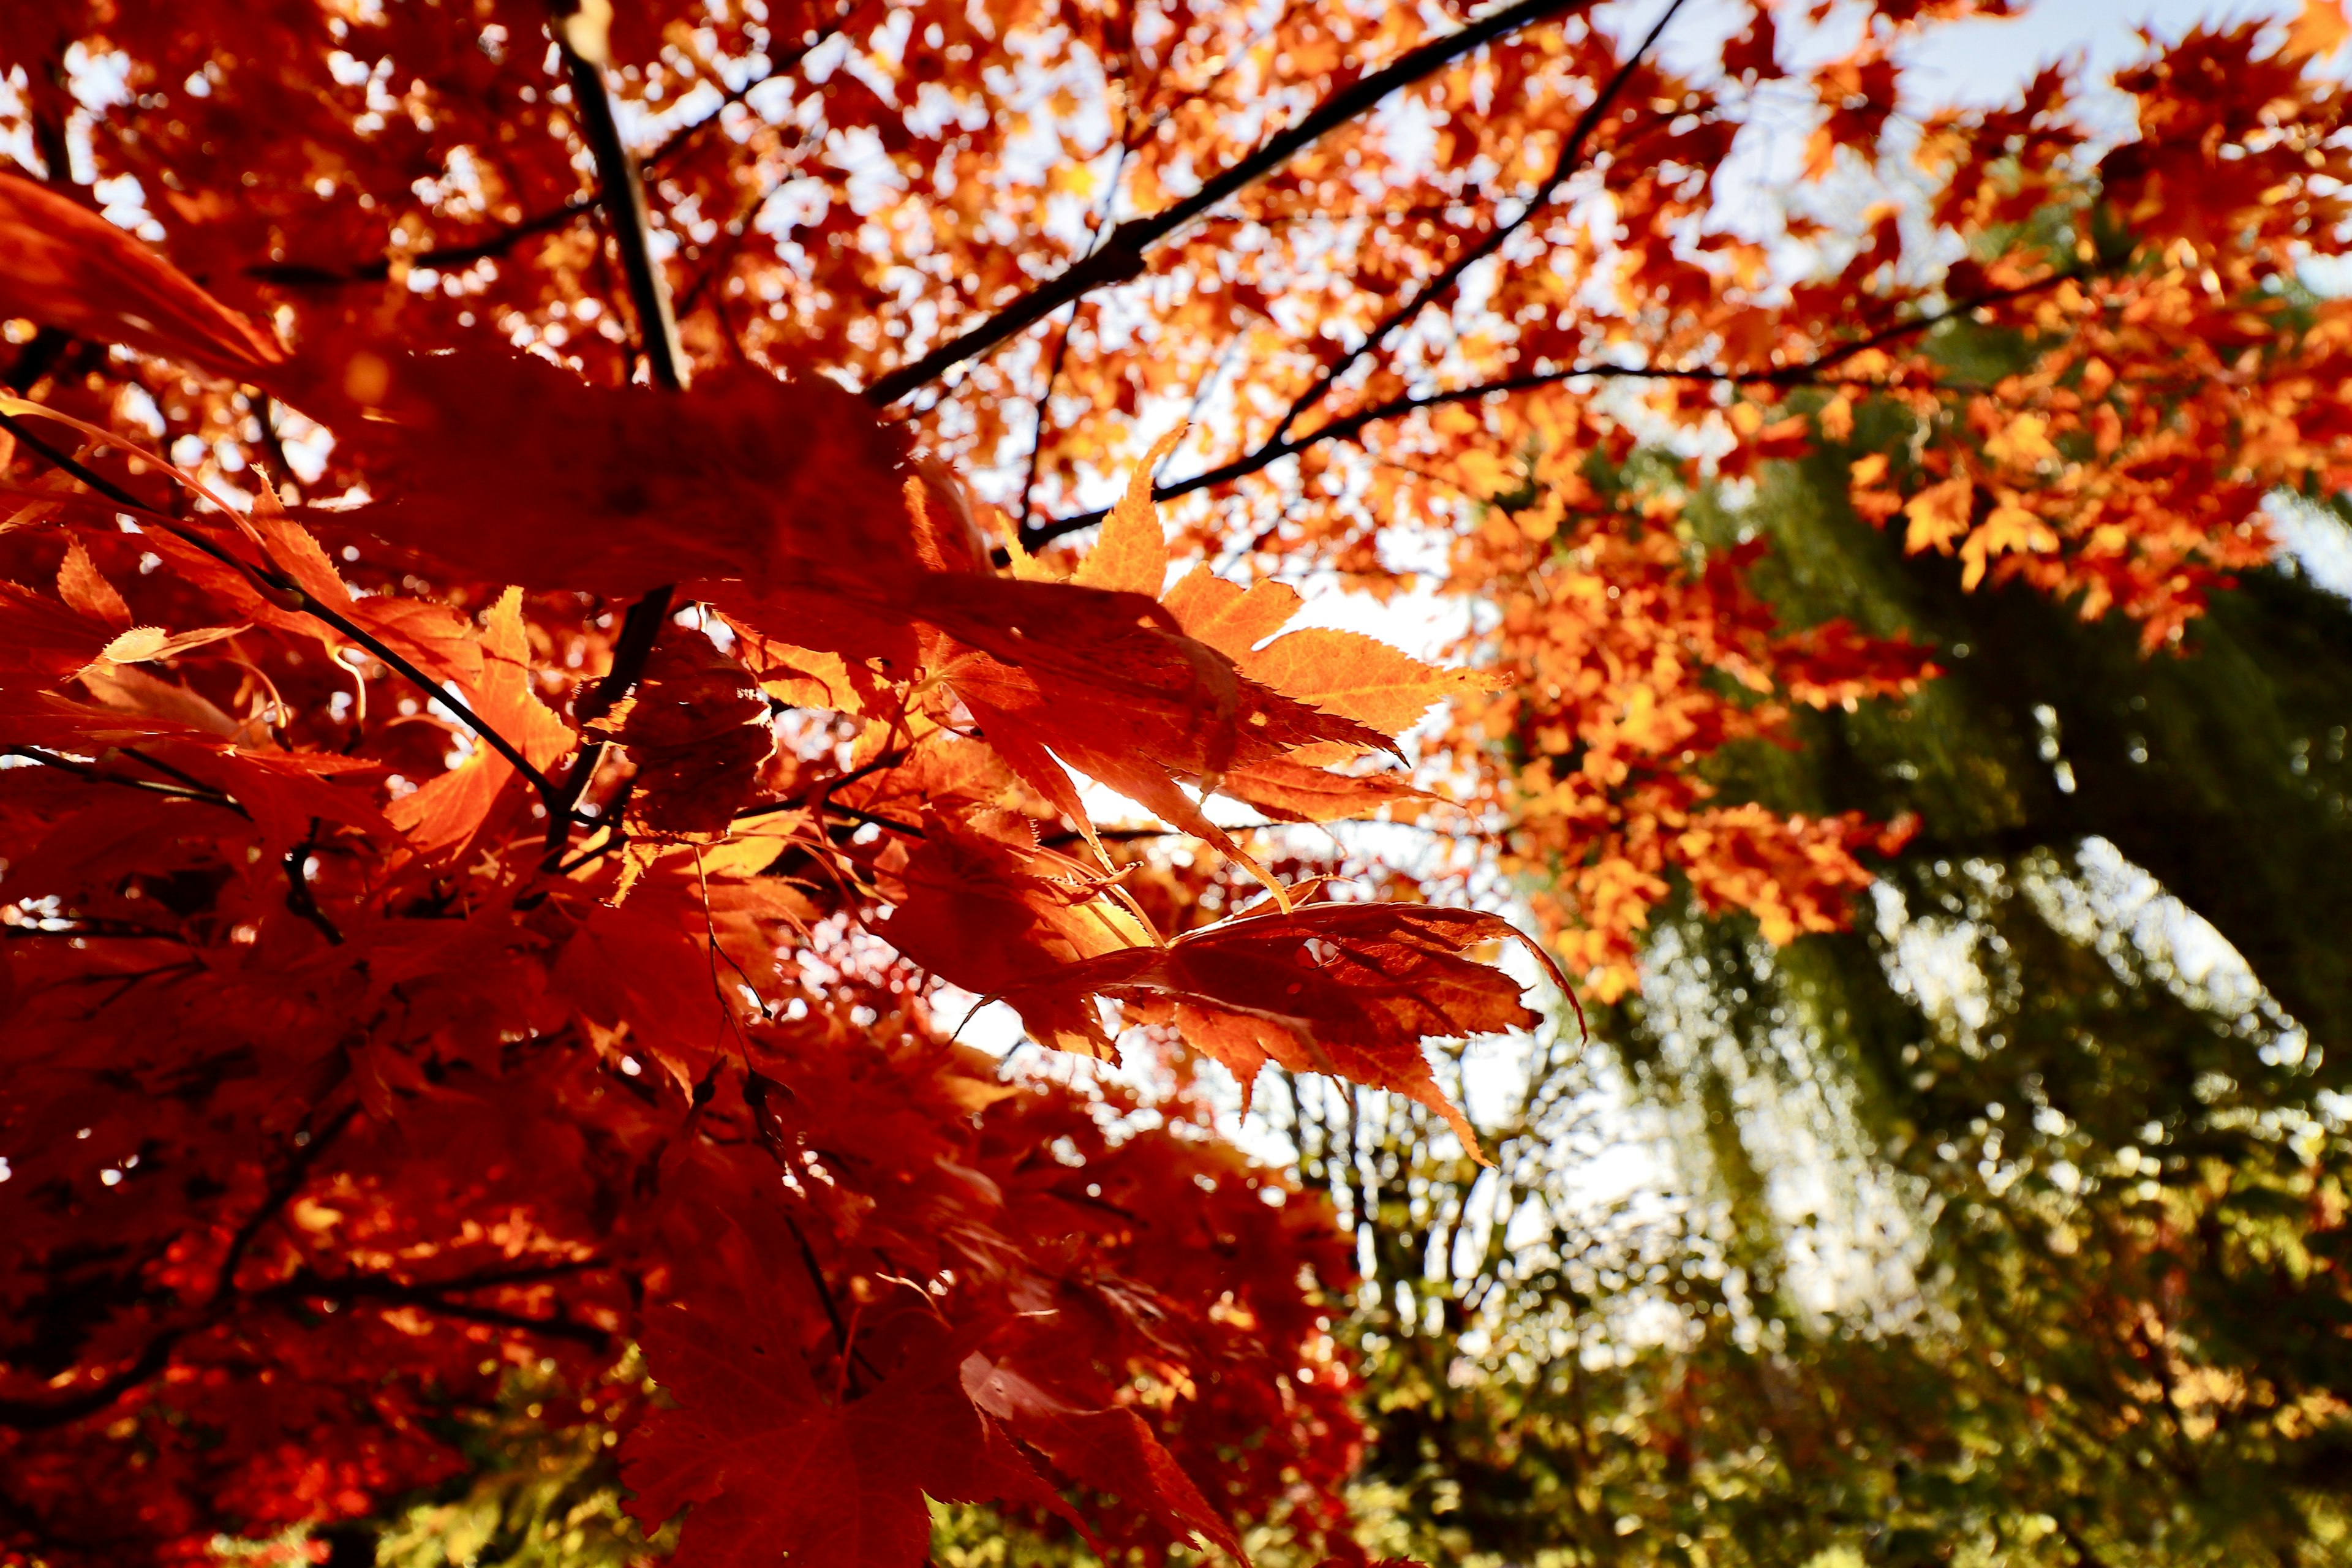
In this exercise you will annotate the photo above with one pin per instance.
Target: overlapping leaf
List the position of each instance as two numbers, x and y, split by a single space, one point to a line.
1346 989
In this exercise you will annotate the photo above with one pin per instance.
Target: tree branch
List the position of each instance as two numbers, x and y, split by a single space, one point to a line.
47 1414
499 242
621 194
435 1297
1571 159
281 589
624 200
96 774
1806 373
639 627
1121 259
300 896
300 275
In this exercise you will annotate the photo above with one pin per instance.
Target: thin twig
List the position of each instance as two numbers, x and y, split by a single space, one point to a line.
1806 373
41 1416
96 774
282 589
631 649
499 242
1044 407
1571 159
889 823
300 896
299 275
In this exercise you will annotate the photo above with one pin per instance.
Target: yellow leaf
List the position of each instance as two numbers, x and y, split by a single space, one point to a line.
1938 515
1485 474
141 643
2009 528
2024 443
136 646
1132 554
1837 418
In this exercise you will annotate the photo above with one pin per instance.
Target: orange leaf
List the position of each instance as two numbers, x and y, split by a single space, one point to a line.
1131 554
84 588
1358 677
1345 989
2320 31
1229 620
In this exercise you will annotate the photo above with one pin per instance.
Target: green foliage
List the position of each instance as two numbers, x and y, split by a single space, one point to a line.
2010 1225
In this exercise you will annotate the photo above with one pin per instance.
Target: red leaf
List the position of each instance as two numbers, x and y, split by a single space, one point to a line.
64 266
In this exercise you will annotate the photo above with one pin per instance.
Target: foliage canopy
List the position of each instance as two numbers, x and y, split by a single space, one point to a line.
544 667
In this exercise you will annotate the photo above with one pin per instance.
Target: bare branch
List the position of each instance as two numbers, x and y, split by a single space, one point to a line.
96 774
300 275
46 1415
300 898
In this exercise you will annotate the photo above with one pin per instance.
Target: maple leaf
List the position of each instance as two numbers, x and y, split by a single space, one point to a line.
787 495
1346 989
1224 714
754 1441
697 726
1110 1450
64 266
323 1092
450 810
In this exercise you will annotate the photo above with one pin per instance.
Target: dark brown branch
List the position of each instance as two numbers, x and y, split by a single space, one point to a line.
47 1414
96 774
1121 259
639 627
281 588
301 275
778 67
1807 373
84 926
622 197
624 200
1045 408
1571 159
887 824
826 787
435 1297
300 898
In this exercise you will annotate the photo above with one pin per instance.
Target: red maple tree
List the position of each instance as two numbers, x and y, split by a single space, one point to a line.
476 896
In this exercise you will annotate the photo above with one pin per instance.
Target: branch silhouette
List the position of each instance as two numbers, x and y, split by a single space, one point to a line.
1809 372
1121 259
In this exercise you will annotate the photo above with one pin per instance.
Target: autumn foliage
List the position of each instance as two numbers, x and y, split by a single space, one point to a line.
502 891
